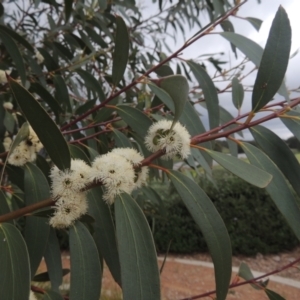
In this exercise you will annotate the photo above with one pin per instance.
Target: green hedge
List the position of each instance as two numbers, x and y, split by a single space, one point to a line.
253 222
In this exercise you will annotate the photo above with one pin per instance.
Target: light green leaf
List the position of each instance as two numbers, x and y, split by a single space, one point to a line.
14 262
85 265
209 92
139 268
237 93
120 56
15 54
175 86
279 190
164 70
256 23
274 61
53 261
138 121
248 172
245 273
279 153
92 83
293 124
162 95
105 233
9 122
36 229
47 131
211 225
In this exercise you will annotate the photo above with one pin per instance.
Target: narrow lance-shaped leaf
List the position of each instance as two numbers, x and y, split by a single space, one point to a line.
120 56
274 61
280 154
209 92
280 192
15 54
273 295
4 208
14 262
211 225
256 23
176 86
105 233
43 125
237 93
68 9
139 268
61 92
248 172
85 264
292 122
36 229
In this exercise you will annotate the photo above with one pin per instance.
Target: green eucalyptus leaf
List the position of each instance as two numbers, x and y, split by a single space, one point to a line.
209 92
138 121
4 208
274 61
36 229
9 122
15 54
78 152
237 93
211 225
279 153
273 295
280 192
162 95
50 63
53 261
256 23
177 87
245 273
121 139
248 172
45 276
14 262
104 232
164 70
85 265
120 56
61 92
68 9
47 131
139 268
292 122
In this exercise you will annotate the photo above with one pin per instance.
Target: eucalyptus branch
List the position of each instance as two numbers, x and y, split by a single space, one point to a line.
250 281
199 35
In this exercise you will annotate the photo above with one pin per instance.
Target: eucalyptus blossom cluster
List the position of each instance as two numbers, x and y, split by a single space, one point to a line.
119 171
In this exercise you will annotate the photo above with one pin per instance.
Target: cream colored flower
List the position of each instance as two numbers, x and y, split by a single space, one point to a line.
174 141
3 78
39 57
32 296
8 105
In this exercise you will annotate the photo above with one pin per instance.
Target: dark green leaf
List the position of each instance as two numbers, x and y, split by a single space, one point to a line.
92 83
53 261
138 121
228 27
68 9
120 56
51 295
49 61
45 276
14 262
273 295
279 153
15 54
139 269
249 173
85 264
121 139
4 208
85 107
104 234
209 92
17 37
212 227
237 93
9 122
43 125
36 229
279 190
78 152
162 95
256 23
274 61
61 92
245 273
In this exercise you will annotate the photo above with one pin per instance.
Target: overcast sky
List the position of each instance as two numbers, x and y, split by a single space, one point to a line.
214 43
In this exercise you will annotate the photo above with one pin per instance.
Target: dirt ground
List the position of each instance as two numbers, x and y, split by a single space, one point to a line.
182 281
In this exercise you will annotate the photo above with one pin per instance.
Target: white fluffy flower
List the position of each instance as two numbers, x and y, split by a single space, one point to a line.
39 57
6 143
70 181
32 296
3 78
135 158
68 209
26 151
8 105
175 141
116 173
